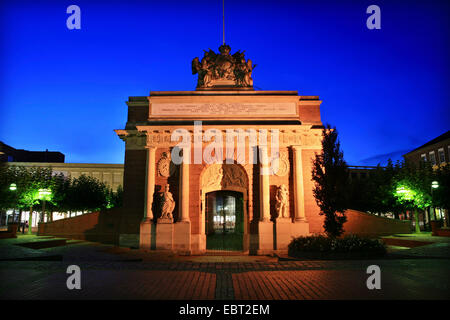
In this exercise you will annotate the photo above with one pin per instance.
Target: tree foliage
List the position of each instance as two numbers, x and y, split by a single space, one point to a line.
79 194
401 187
331 183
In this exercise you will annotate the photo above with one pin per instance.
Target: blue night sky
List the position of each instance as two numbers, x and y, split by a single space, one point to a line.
64 90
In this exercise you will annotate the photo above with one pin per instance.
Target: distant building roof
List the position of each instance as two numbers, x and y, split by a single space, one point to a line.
442 137
10 154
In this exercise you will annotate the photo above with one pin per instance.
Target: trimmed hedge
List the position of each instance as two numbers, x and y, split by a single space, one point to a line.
348 247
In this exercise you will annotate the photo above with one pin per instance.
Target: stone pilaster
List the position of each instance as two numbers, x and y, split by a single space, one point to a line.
184 192
264 186
147 227
149 183
299 194
182 229
265 236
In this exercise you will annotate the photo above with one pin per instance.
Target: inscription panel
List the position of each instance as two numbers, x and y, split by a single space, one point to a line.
284 109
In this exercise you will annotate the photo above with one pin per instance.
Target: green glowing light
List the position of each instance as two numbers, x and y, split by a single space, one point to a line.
44 193
405 193
435 184
13 187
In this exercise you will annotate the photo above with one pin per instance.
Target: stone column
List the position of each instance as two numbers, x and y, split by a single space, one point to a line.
264 186
263 240
182 229
147 227
184 192
149 183
299 194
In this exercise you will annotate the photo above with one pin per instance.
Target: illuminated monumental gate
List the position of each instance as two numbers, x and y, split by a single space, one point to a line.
223 167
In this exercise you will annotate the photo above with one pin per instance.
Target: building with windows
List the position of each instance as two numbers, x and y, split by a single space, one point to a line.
360 172
436 151
109 174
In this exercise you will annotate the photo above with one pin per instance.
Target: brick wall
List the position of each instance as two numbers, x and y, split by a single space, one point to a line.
134 190
100 226
364 224
311 209
370 225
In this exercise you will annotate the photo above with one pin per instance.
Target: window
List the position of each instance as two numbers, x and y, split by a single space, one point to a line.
441 155
432 158
423 157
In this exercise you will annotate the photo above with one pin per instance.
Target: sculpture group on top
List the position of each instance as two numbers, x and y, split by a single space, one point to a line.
223 69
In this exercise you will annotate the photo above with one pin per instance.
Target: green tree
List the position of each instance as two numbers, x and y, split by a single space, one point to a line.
331 188
87 194
375 194
60 194
8 198
28 182
413 188
115 198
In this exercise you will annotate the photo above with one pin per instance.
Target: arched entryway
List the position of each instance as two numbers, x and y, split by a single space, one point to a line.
224 195
224 225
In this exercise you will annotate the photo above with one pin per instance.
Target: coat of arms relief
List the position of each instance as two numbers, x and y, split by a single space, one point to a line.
223 69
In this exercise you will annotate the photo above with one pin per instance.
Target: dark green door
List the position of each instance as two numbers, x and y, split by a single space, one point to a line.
224 221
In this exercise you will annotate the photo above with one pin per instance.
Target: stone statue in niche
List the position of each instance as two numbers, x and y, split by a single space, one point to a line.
167 204
282 197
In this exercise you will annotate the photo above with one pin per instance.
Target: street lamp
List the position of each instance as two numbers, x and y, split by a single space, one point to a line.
43 193
435 185
12 187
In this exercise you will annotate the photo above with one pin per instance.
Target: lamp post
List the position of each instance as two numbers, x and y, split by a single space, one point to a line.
434 185
12 187
43 193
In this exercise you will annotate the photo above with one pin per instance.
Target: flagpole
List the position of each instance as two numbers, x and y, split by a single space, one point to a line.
223 19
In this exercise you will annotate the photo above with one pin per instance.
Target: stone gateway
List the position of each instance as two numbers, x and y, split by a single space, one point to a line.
231 203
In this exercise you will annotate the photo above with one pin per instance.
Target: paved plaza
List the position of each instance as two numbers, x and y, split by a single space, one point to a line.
109 272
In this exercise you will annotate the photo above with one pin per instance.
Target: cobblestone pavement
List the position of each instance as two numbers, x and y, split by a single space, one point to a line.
400 279
105 275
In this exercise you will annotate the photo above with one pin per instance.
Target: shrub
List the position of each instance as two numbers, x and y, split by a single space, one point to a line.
326 247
